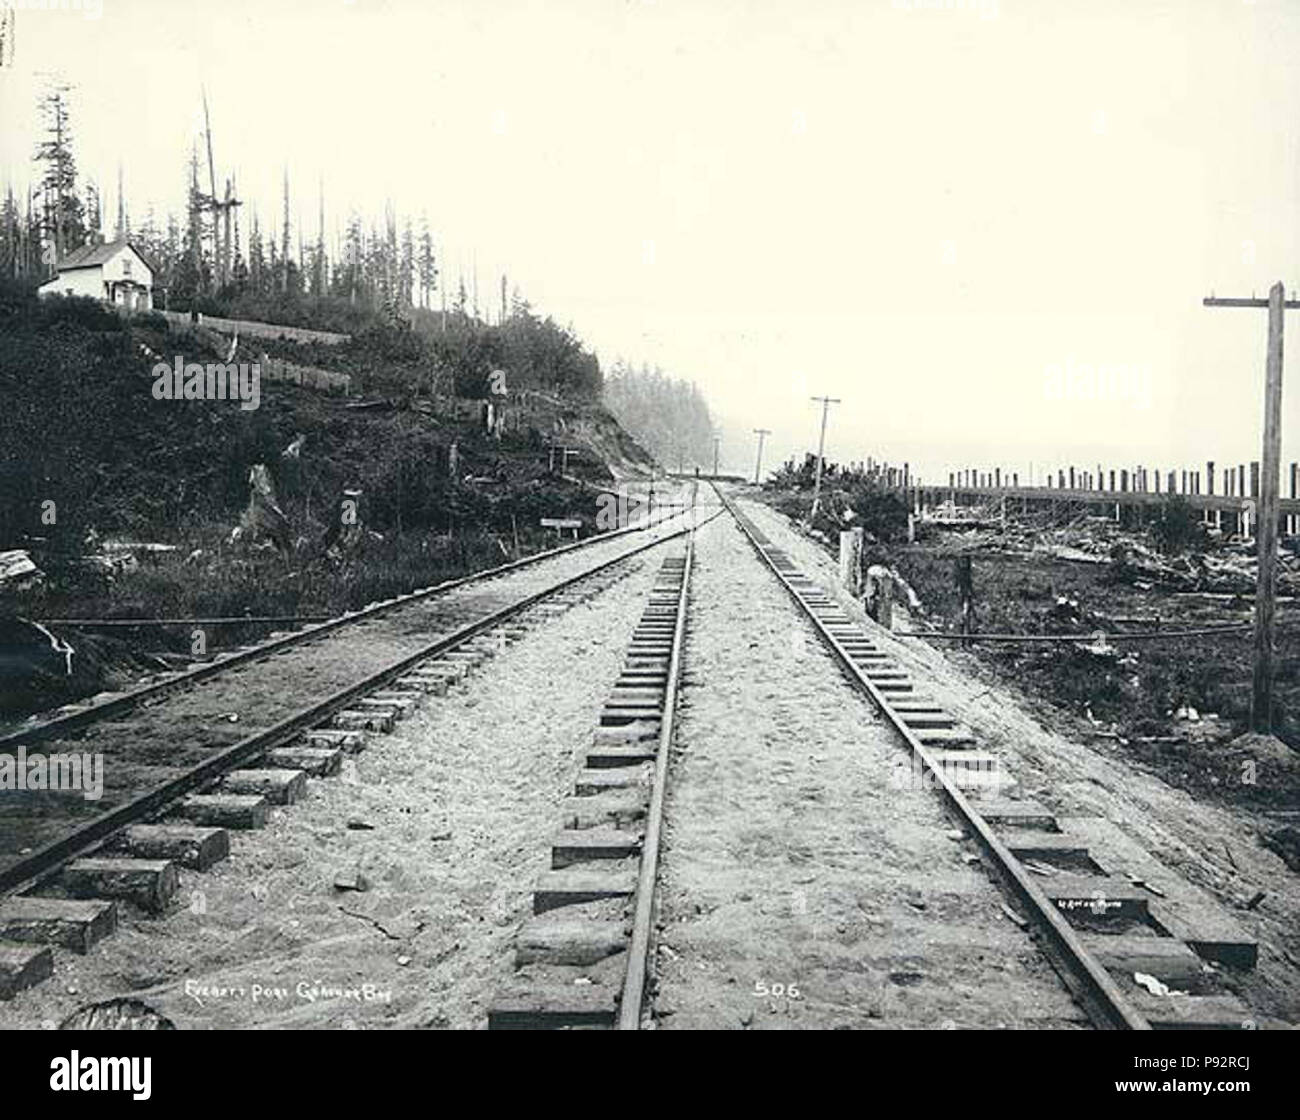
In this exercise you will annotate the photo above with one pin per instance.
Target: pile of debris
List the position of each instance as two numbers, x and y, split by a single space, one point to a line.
18 571
1226 568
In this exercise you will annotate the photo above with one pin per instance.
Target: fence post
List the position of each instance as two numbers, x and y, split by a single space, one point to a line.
966 592
885 610
851 560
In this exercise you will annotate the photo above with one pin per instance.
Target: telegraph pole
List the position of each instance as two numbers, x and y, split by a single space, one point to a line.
1261 709
821 448
758 464
716 440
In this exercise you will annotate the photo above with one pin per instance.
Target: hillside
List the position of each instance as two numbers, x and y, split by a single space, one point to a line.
372 494
668 415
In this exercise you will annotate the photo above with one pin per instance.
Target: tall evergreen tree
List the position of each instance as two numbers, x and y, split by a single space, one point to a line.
284 238
256 259
406 279
427 265
62 220
192 272
94 215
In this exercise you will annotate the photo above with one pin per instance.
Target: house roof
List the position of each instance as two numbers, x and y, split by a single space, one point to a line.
91 256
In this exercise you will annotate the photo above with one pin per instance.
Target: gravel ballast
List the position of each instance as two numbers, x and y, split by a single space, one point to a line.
801 887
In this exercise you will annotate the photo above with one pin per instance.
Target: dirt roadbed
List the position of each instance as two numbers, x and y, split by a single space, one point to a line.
1215 847
801 888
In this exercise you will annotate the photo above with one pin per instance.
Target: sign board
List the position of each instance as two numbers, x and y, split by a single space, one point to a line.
561 523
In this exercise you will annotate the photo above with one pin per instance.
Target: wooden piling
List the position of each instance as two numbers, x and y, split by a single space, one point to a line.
1261 712
885 603
1291 520
851 559
965 593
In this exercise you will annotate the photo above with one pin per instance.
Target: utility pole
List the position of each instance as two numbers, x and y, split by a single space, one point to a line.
716 439
758 464
821 448
1261 709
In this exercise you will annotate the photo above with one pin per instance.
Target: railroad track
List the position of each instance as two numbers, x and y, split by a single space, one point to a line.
582 959
1103 910
105 705
299 703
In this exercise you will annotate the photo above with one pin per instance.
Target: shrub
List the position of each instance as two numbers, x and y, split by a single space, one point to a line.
80 311
1177 527
881 512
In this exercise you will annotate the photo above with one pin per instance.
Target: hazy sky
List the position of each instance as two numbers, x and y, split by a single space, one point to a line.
945 213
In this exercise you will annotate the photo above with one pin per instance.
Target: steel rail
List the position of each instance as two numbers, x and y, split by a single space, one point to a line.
73 721
39 864
1101 997
232 620
1109 635
634 980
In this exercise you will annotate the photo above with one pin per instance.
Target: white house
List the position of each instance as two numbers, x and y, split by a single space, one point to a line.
114 272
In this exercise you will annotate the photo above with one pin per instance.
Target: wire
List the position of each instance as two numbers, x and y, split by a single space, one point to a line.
1233 628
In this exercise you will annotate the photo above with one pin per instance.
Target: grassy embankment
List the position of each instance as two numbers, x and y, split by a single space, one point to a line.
87 456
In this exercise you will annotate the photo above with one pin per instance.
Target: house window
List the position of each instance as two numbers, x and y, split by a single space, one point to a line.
126 268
